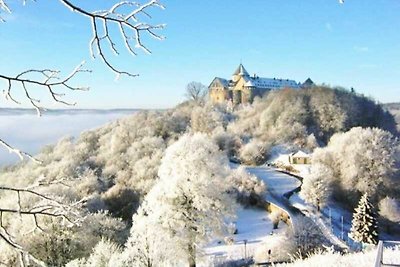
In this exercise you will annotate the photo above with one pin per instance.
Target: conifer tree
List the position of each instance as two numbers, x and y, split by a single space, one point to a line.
364 227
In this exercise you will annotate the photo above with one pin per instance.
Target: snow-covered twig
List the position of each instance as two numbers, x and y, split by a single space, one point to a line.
19 153
47 207
49 81
128 24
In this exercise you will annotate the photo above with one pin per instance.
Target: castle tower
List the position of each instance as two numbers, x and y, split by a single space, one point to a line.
240 71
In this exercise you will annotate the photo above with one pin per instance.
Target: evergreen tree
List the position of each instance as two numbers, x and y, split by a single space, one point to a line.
364 227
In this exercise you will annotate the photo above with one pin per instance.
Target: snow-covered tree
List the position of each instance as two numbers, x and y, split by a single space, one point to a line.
147 245
105 254
361 160
254 152
247 188
364 226
308 237
190 202
316 187
389 208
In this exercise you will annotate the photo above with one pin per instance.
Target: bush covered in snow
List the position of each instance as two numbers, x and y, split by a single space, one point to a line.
254 152
247 188
278 248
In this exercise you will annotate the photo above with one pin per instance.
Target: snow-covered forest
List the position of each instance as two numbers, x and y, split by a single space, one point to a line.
156 188
306 175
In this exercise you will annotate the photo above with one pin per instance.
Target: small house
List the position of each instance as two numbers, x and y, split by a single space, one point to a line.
299 157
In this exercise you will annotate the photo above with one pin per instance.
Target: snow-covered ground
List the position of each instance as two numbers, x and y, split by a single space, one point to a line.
254 227
26 131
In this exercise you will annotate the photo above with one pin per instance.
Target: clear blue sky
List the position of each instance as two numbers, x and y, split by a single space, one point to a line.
356 44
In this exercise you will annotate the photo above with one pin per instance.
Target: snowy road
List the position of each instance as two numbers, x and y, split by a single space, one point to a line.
280 183
277 183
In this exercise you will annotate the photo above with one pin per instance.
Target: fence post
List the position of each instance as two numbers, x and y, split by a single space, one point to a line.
378 261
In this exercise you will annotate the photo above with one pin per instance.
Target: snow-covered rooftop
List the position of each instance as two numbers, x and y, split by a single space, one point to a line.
270 83
300 154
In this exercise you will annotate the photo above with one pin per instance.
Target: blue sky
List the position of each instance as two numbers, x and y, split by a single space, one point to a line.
356 44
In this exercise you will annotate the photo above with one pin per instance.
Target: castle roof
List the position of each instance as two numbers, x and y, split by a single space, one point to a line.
241 71
308 83
220 81
270 83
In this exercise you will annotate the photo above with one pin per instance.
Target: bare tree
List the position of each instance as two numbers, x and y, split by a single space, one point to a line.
196 91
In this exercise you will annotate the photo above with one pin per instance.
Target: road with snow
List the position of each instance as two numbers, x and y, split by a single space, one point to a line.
254 226
278 184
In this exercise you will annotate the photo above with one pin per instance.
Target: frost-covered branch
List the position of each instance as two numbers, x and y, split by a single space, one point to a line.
46 207
19 153
49 80
131 29
4 7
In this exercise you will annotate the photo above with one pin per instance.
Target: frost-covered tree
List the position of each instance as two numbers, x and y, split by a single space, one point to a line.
247 188
105 254
364 226
316 187
361 160
254 152
389 208
148 244
207 118
111 168
190 202
307 236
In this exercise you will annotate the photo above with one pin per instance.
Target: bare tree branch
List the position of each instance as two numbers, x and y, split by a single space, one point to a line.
128 24
19 153
50 82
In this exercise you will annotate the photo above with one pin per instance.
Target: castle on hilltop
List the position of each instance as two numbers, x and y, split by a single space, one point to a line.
243 88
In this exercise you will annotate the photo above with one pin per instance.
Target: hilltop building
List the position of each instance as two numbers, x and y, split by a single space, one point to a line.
243 88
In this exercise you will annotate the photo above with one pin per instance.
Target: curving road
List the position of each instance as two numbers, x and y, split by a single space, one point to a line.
280 184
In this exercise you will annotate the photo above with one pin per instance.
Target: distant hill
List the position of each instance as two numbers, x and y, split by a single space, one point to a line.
394 108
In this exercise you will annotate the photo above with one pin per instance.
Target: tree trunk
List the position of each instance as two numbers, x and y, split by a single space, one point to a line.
192 255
